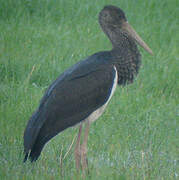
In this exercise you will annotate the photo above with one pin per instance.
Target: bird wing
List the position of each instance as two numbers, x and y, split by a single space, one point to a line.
68 101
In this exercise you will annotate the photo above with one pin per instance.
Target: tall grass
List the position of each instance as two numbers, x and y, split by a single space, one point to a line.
137 136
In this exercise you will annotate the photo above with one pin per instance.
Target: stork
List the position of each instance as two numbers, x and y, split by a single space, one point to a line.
81 93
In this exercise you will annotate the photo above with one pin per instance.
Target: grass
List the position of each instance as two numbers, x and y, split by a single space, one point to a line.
137 136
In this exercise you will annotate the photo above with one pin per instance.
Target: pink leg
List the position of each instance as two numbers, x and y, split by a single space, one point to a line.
84 147
78 149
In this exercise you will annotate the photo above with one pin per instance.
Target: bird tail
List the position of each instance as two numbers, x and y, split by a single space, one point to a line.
33 146
35 152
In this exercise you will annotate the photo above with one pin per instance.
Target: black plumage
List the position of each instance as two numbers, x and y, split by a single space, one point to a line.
86 86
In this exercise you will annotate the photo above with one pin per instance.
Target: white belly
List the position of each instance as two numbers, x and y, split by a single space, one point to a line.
96 114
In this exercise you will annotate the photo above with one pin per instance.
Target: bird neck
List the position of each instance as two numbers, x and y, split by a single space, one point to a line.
120 40
126 56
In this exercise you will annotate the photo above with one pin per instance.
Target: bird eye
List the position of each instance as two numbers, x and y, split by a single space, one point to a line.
105 14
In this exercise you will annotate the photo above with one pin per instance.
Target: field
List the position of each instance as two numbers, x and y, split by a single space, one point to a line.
137 136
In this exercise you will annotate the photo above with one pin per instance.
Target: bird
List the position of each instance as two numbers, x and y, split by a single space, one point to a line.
81 93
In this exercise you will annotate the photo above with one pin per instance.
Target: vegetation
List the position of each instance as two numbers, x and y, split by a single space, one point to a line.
137 136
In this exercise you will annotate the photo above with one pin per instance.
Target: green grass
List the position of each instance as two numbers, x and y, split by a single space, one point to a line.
137 136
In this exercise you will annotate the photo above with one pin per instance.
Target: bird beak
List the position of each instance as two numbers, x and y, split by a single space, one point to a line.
127 28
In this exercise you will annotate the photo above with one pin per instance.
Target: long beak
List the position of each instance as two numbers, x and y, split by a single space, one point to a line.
127 28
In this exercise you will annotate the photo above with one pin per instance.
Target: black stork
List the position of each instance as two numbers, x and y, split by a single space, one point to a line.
81 93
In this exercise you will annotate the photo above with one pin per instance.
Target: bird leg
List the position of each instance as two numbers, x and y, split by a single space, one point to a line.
81 150
78 149
84 147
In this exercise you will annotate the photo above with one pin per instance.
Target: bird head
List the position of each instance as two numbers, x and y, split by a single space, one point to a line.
113 18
